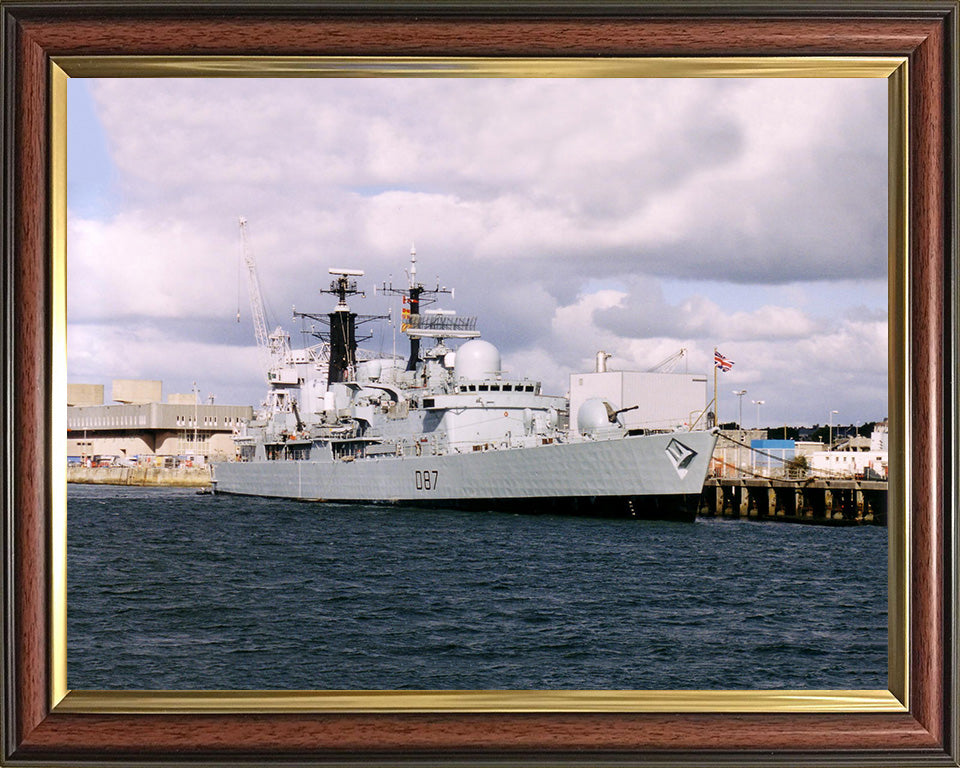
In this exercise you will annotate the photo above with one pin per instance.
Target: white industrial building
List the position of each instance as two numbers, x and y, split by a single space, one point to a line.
139 428
651 401
856 456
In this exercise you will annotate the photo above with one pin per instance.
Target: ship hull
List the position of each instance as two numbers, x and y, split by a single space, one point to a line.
677 507
649 476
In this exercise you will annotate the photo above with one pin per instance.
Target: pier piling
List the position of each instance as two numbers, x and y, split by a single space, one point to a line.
812 500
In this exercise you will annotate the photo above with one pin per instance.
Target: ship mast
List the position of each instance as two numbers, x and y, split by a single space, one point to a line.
342 324
415 295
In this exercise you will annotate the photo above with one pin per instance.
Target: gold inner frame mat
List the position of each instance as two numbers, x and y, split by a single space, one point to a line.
787 701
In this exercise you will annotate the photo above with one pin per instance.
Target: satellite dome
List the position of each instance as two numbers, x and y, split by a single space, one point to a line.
477 359
593 414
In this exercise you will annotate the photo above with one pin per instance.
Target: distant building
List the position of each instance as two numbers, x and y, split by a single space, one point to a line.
858 456
752 453
733 455
850 463
140 430
858 443
84 394
807 447
771 455
137 391
879 437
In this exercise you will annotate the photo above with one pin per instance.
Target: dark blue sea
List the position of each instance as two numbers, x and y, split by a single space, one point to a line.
168 589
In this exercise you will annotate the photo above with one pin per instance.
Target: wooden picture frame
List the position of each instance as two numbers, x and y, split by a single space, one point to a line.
38 729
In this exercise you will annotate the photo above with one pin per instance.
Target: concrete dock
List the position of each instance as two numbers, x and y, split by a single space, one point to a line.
181 477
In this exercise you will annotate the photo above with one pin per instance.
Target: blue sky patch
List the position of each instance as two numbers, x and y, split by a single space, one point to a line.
91 175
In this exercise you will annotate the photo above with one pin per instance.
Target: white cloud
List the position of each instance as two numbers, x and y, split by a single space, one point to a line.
646 314
101 353
839 361
133 266
573 327
520 193
755 180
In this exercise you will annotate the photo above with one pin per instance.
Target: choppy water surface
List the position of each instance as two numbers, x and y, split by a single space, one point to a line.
168 589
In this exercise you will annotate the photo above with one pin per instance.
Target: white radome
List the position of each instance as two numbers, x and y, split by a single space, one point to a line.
593 415
477 359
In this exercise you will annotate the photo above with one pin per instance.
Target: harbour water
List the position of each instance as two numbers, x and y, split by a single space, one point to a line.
168 589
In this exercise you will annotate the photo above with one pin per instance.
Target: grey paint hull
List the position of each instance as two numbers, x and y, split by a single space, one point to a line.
643 476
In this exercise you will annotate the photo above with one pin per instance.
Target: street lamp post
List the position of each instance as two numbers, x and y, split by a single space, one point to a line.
739 393
830 431
753 456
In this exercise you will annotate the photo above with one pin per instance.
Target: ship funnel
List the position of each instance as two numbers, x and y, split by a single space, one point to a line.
602 358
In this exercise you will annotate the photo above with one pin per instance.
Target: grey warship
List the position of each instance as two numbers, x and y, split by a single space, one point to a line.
448 428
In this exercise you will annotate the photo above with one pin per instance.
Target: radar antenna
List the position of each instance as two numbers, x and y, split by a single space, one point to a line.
415 296
341 333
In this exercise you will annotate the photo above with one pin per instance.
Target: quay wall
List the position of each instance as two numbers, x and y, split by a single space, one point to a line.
816 502
183 477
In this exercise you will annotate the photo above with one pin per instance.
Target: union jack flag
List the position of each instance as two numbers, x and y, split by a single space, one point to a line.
721 362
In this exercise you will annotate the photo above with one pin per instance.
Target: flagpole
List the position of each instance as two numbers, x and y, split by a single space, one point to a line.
716 404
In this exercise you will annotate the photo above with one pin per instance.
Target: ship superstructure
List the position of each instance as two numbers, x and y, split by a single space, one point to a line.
447 427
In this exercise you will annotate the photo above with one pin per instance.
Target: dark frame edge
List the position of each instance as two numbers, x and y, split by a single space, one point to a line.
948 11
8 159
6 249
951 478
950 348
514 9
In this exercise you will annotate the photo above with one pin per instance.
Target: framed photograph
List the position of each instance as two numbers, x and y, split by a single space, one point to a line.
910 53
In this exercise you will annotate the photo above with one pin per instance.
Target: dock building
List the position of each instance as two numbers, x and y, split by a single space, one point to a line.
755 476
139 428
856 456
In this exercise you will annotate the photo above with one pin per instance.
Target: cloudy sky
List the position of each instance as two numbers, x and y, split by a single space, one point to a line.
638 216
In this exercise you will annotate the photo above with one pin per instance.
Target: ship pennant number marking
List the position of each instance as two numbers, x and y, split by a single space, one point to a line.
426 479
681 455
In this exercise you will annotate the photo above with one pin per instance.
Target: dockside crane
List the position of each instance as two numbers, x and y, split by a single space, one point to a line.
278 361
669 364
267 361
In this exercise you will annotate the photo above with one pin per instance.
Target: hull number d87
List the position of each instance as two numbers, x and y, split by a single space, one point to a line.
426 479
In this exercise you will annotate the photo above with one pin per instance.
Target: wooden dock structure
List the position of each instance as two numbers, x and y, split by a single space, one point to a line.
816 501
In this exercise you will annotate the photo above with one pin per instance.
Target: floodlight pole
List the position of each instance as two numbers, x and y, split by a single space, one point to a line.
739 393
